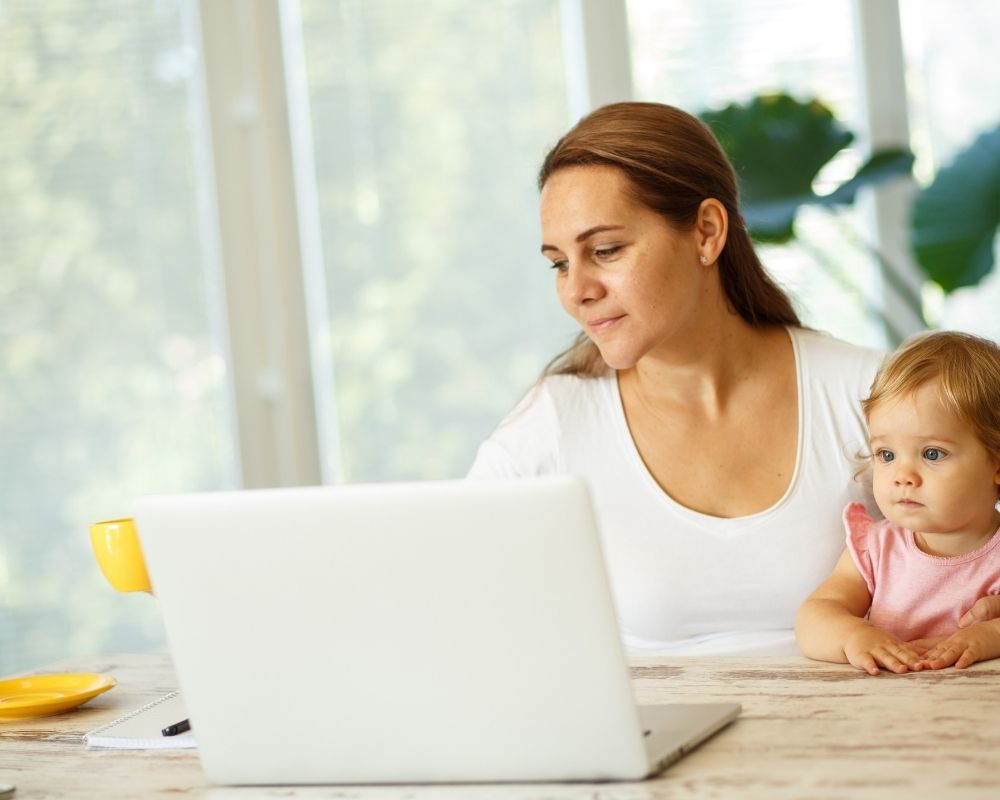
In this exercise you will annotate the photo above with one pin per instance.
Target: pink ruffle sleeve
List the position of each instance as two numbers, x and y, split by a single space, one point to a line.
858 525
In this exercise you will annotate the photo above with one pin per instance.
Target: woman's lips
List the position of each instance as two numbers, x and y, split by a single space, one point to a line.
601 325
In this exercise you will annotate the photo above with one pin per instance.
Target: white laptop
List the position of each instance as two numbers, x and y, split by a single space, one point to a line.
447 631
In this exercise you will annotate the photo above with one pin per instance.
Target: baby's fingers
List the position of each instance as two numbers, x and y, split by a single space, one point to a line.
864 661
895 658
943 655
899 654
922 646
968 657
893 662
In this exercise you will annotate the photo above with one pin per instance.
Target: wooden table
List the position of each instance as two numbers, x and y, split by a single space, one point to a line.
808 730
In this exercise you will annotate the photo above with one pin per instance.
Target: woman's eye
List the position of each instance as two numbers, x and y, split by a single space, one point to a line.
559 265
933 454
885 456
607 252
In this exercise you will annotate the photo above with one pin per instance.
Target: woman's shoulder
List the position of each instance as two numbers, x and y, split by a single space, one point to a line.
822 349
835 364
556 398
528 440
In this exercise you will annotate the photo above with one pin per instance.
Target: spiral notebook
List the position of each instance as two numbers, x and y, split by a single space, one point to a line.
142 729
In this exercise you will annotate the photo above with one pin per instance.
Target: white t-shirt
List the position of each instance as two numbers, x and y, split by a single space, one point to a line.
683 581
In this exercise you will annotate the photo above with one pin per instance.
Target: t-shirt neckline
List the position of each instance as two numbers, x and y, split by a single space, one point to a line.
697 516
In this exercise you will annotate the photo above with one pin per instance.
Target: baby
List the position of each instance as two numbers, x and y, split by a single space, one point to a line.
895 597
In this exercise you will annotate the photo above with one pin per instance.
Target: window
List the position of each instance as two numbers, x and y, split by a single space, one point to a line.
114 370
114 353
430 120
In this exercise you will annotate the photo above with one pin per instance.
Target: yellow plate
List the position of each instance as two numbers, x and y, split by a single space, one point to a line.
41 695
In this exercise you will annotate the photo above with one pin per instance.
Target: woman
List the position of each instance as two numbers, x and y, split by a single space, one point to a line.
716 434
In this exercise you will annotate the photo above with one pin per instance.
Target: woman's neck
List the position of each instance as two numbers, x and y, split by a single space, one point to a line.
709 367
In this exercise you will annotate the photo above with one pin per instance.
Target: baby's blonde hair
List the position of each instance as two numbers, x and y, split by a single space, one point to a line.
966 369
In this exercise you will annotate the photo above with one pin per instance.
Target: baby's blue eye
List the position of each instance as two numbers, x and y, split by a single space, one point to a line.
933 454
885 456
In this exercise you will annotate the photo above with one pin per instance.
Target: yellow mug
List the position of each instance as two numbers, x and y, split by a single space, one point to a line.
116 547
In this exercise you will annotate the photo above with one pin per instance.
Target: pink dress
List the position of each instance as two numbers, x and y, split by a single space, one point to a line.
916 595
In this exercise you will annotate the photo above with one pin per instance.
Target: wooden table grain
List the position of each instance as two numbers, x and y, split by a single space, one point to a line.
808 730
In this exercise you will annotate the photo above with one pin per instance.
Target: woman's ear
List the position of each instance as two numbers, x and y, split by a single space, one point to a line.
712 227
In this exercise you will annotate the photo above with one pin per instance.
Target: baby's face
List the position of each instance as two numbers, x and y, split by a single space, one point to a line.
931 473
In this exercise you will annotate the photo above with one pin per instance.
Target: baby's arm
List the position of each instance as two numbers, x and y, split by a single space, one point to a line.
977 642
831 626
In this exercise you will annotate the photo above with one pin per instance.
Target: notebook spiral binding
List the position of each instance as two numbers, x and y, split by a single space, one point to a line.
134 713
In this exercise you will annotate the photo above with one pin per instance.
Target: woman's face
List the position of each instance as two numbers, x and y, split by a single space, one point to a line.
632 281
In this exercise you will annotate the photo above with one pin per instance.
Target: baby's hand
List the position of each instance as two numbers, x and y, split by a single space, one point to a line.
978 642
869 648
923 645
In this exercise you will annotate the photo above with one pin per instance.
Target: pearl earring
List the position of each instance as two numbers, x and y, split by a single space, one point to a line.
703 259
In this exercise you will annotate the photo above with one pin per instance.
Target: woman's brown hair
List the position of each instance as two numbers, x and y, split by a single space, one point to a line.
673 162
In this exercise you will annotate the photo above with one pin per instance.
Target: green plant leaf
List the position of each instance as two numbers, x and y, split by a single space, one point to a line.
954 220
778 145
882 166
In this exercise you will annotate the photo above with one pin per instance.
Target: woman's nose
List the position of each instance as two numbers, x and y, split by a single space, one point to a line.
580 285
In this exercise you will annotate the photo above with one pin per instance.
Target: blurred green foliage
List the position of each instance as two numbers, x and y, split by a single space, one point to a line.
778 145
954 220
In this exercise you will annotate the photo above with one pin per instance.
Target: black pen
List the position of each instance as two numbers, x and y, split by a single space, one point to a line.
177 727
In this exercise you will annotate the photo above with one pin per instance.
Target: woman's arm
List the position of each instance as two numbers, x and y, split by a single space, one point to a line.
830 626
